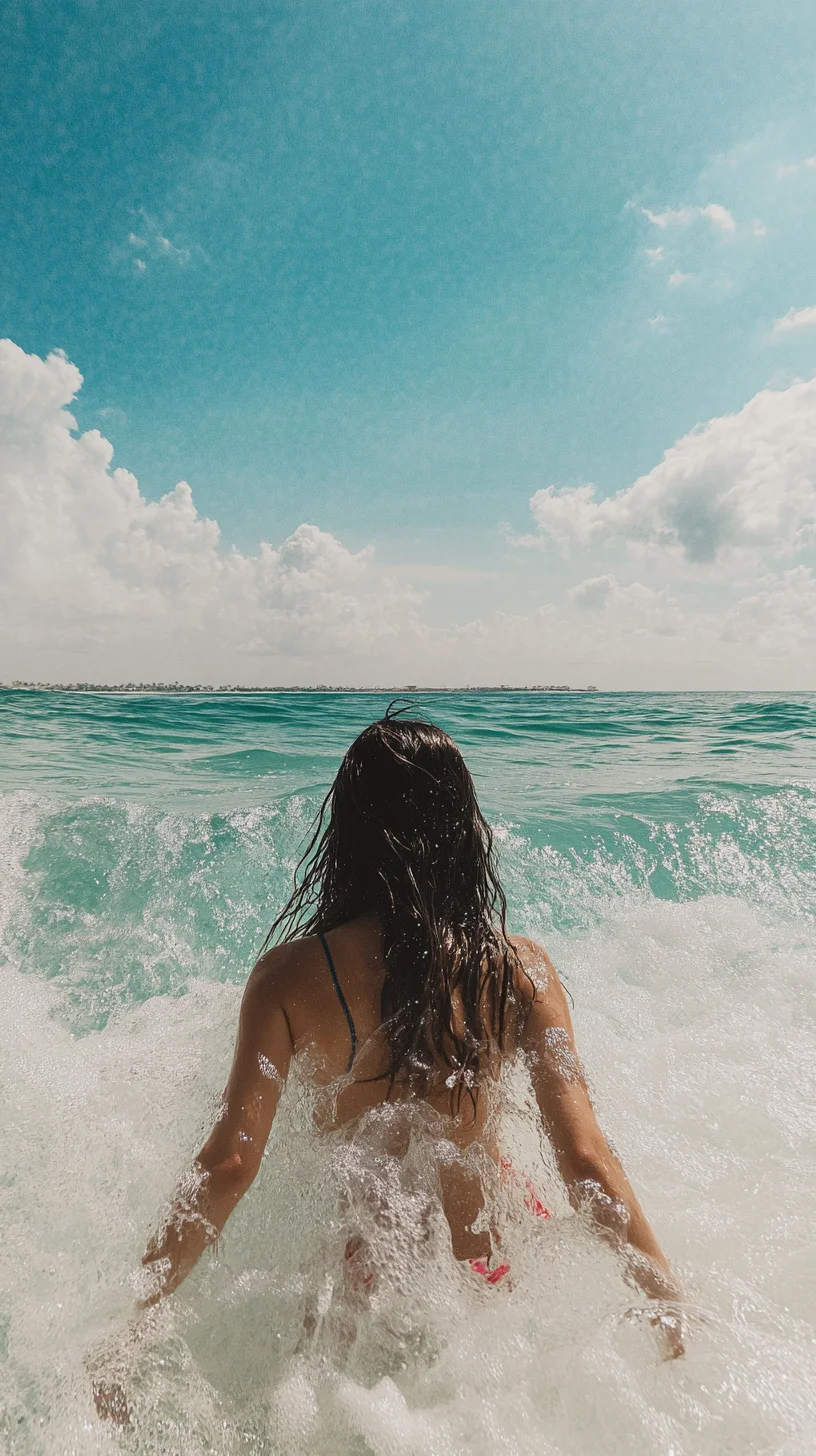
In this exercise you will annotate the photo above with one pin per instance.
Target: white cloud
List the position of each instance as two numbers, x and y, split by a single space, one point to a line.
742 483
638 635
719 216
795 319
88 564
635 607
595 592
780 616
655 255
676 280
98 583
658 323
166 249
151 245
790 169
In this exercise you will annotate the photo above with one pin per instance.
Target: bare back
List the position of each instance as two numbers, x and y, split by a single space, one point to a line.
291 1007
326 1019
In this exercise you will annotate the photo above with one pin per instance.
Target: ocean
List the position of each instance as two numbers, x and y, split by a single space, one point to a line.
663 848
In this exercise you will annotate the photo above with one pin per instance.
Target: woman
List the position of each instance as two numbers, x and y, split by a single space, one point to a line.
395 973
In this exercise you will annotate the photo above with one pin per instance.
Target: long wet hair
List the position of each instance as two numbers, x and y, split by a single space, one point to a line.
400 833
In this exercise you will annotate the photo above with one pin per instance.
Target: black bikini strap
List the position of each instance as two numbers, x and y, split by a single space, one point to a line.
341 998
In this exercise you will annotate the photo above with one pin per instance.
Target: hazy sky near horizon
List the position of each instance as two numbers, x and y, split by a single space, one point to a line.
420 296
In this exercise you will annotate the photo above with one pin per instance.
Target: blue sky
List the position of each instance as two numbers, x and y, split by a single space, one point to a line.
385 268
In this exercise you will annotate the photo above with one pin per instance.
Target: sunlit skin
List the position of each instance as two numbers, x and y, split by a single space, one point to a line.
290 1007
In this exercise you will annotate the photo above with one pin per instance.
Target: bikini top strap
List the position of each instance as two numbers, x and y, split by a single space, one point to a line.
341 998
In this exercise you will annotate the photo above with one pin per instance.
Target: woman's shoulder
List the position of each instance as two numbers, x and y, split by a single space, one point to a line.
280 969
532 957
535 979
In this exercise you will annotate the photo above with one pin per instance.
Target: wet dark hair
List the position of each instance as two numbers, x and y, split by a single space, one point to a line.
401 833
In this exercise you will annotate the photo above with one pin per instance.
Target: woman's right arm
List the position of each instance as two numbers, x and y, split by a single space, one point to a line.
224 1169
593 1175
227 1164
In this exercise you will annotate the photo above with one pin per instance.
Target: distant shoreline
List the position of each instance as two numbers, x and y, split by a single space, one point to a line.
201 689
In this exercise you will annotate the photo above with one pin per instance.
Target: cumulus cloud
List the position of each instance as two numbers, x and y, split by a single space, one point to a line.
635 607
595 592
677 279
794 320
87 562
719 217
780 615
742 483
99 583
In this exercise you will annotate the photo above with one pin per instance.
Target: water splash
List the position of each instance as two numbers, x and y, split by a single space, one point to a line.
680 910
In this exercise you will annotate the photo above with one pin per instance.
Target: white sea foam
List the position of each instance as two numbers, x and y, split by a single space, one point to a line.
695 1021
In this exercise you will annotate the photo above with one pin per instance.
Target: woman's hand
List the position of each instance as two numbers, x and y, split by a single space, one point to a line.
110 1399
668 1327
110 1365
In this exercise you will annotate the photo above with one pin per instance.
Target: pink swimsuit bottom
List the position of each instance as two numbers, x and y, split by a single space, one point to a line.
360 1275
532 1203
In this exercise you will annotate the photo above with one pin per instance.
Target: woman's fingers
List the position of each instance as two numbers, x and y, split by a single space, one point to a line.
669 1328
111 1402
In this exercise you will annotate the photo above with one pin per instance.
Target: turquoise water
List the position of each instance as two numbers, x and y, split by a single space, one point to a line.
662 846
